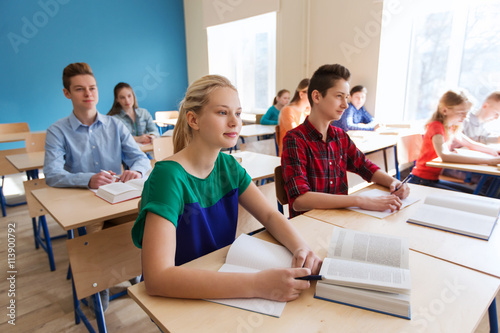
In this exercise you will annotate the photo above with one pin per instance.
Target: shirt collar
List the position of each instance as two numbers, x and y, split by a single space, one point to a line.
75 123
313 134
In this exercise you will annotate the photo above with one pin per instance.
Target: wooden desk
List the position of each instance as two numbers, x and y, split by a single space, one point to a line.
27 161
258 166
436 305
165 122
146 147
486 171
256 130
477 254
79 207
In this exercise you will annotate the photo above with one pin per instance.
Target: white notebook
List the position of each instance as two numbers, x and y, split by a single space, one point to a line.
247 255
376 193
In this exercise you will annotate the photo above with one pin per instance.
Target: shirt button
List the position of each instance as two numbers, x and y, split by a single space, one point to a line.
96 163
93 147
331 182
330 163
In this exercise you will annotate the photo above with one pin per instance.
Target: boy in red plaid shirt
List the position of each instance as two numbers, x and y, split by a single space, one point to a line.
316 155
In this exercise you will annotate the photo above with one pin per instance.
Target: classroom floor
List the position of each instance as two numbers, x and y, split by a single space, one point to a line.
43 298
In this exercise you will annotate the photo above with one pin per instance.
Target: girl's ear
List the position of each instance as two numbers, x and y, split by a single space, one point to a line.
192 120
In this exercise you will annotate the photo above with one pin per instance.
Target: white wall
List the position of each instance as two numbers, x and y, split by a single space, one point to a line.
310 33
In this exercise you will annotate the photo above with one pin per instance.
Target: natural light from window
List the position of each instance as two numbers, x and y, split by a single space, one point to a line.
244 51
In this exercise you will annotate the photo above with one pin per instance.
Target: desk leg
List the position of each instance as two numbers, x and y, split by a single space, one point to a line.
492 313
396 162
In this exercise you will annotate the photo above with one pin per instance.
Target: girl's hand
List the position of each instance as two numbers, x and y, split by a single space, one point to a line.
144 139
382 203
280 284
304 257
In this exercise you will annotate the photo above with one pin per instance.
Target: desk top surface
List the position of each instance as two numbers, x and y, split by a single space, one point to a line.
463 296
78 207
474 253
27 161
258 166
256 130
478 168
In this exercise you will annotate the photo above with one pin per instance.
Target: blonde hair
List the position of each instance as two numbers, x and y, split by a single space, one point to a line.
450 99
197 96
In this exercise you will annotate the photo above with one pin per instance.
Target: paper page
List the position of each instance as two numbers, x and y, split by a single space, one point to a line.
256 253
260 305
365 275
368 247
137 183
470 203
117 188
472 153
411 199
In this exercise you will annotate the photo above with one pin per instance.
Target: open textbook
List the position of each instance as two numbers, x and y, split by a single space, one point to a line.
118 191
367 270
469 214
248 255
376 193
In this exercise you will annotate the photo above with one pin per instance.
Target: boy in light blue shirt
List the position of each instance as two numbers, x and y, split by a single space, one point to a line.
86 148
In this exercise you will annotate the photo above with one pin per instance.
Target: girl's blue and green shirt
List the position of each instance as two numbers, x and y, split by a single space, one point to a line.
204 211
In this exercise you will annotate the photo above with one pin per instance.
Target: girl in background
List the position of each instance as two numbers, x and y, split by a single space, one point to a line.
272 114
137 120
442 133
294 113
190 202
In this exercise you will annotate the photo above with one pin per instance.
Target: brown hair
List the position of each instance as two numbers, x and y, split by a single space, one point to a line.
279 94
302 85
197 96
116 108
357 88
74 69
325 77
495 96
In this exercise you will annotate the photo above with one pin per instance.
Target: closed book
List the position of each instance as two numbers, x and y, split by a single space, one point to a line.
118 192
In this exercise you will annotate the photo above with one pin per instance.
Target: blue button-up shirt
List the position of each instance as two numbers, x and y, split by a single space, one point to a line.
354 119
74 152
143 124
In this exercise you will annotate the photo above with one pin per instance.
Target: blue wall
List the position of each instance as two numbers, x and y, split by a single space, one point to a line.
138 42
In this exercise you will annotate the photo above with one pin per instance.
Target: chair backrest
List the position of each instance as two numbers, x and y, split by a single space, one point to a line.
276 138
163 147
14 128
34 207
103 259
6 168
258 117
280 185
35 142
160 115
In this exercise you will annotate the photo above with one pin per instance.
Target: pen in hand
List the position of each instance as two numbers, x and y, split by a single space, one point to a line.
310 277
402 183
109 173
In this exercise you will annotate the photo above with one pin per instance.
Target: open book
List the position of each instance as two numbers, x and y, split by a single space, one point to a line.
118 192
376 193
469 215
367 270
248 255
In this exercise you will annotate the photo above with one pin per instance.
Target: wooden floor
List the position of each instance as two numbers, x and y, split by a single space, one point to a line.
43 298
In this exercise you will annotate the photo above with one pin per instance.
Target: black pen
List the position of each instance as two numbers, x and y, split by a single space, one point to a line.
310 277
403 182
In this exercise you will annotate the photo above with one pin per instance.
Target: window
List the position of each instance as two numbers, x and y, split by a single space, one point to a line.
454 44
244 51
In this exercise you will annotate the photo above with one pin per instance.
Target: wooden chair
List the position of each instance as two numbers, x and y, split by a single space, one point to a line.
276 138
5 167
36 210
99 261
35 142
279 183
162 116
14 128
163 147
258 117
